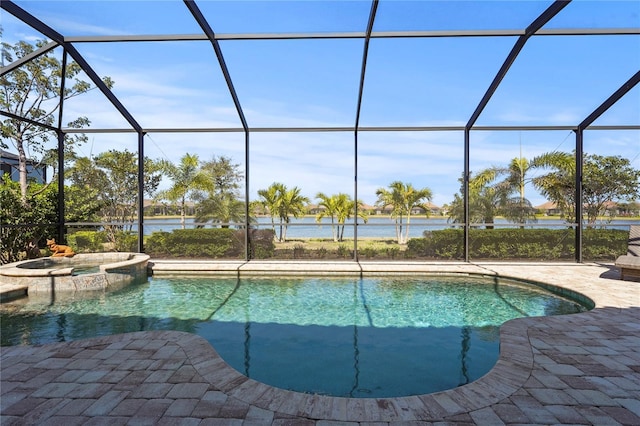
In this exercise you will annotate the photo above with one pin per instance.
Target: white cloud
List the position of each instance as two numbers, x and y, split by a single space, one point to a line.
67 25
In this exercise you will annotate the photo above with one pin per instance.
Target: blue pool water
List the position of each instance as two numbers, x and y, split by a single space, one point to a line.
371 337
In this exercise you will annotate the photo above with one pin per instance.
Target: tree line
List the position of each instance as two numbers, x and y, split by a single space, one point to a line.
500 190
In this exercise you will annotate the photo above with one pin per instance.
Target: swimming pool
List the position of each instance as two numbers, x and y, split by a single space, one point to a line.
369 337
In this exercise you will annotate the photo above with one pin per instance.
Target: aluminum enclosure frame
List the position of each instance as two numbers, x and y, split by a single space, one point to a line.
534 29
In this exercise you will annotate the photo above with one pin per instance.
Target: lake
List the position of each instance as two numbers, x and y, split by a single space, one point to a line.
376 227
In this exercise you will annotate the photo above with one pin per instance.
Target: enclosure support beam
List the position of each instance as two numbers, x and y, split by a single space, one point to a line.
465 192
27 58
363 72
32 122
61 137
140 192
247 210
60 237
578 195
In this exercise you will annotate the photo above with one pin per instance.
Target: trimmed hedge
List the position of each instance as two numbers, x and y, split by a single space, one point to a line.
446 244
86 241
209 243
529 244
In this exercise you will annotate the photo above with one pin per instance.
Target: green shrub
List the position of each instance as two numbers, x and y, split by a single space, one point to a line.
87 241
261 244
210 243
392 252
298 251
126 241
343 251
530 244
368 252
604 244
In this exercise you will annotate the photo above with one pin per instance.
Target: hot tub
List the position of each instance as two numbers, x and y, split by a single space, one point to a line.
90 271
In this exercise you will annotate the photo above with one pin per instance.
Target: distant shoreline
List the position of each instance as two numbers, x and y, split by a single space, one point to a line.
416 217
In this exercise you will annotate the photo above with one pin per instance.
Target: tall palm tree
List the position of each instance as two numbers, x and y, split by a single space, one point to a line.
330 204
270 200
506 196
483 201
403 198
187 178
346 209
292 203
339 208
515 208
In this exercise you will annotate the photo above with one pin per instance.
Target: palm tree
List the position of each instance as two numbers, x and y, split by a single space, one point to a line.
220 203
558 185
220 208
283 203
346 208
291 204
270 200
403 198
187 178
483 201
330 204
339 208
515 208
489 196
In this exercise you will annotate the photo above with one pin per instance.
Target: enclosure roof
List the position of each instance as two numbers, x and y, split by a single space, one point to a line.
342 65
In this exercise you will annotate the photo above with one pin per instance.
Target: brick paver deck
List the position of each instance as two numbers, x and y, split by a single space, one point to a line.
572 369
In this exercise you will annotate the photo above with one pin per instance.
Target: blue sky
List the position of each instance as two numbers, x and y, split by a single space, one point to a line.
314 83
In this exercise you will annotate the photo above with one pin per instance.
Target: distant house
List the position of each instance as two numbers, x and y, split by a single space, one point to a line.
388 209
161 208
315 209
36 172
549 209
610 208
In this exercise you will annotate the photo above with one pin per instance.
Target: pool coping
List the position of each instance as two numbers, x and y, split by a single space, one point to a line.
514 368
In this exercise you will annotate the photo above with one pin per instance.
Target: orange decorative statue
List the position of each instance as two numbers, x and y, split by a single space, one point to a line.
58 250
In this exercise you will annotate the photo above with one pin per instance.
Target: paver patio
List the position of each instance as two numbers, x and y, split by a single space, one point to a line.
573 369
